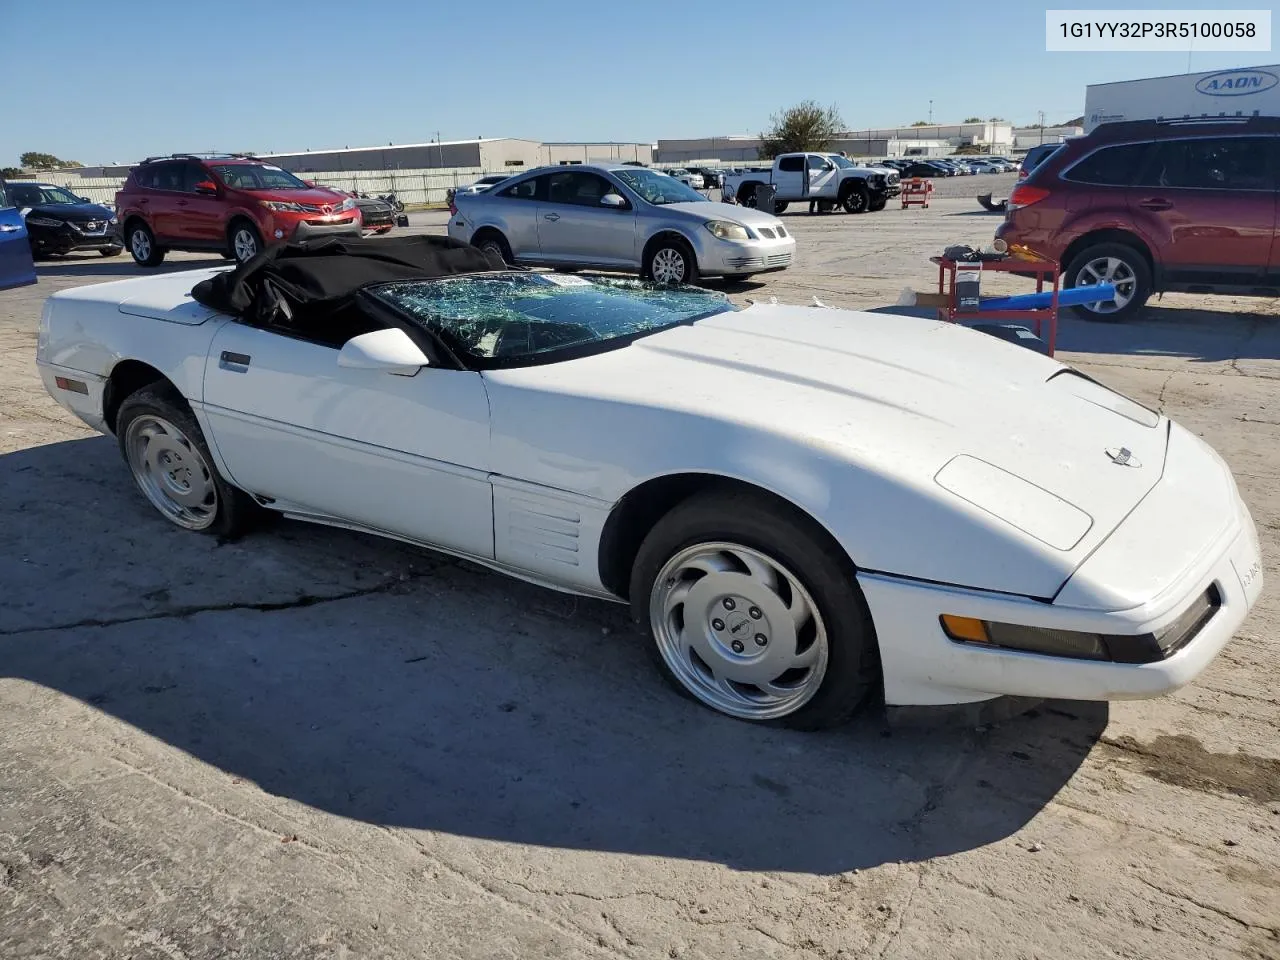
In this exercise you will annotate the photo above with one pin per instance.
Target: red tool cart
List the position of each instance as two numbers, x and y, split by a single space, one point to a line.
1044 271
915 192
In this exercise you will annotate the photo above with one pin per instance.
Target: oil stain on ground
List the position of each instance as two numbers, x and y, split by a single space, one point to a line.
1182 761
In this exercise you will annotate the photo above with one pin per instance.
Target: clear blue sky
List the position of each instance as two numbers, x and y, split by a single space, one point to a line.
117 80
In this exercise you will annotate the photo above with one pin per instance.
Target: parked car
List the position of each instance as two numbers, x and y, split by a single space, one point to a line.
59 221
689 178
16 266
483 184
1154 206
231 205
621 217
376 216
1034 157
822 177
807 510
927 170
710 178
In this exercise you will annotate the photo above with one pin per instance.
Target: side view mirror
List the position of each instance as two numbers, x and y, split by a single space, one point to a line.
613 200
207 188
390 351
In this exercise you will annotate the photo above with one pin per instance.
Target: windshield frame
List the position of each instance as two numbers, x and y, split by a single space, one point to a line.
642 173
45 188
465 359
217 168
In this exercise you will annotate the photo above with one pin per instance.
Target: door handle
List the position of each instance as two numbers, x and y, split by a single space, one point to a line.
8 228
553 217
230 361
1155 203
144 199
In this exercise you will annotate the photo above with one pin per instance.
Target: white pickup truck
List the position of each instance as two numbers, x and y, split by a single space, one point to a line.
827 178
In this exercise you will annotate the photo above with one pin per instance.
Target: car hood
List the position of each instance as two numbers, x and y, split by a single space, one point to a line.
892 430
712 210
316 197
75 212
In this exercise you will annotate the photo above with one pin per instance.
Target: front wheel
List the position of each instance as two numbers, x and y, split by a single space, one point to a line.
244 241
856 199
671 261
754 612
1113 263
172 467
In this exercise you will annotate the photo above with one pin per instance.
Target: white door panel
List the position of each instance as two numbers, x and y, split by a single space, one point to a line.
408 455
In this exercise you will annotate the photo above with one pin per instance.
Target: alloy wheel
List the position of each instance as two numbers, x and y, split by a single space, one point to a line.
140 245
668 266
738 630
1109 270
171 472
245 244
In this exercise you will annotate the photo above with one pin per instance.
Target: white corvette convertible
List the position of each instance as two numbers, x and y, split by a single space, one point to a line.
805 507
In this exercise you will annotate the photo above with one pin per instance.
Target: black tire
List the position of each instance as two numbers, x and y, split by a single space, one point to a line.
243 235
786 535
235 512
494 242
1134 263
855 199
662 251
142 245
779 206
110 251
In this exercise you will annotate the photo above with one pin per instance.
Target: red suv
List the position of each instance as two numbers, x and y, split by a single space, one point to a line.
1156 205
232 205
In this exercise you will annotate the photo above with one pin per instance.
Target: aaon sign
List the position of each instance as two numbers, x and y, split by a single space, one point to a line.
1236 83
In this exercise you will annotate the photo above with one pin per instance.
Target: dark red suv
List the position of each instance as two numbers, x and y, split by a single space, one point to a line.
1152 206
229 204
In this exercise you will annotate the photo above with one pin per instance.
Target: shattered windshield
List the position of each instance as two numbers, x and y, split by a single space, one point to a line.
521 315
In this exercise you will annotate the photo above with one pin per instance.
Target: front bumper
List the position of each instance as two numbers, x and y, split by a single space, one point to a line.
1189 521
309 229
725 258
66 238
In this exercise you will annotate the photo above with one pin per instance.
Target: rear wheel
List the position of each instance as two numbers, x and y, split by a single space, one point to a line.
671 260
753 612
1117 264
779 206
172 467
494 244
142 244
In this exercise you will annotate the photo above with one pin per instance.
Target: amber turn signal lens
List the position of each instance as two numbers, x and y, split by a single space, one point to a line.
965 628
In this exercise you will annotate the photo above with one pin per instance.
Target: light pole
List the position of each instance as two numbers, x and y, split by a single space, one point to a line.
931 111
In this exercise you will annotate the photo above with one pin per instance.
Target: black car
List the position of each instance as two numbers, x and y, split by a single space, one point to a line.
711 178
58 221
929 170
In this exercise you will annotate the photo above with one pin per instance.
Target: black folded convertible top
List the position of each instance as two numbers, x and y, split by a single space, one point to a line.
317 273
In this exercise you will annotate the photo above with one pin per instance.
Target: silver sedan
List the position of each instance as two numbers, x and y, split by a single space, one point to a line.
620 217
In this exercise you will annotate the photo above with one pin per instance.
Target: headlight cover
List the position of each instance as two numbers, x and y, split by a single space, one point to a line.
727 230
349 204
283 206
1076 645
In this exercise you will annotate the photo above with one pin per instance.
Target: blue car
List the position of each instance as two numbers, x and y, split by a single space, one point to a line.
16 266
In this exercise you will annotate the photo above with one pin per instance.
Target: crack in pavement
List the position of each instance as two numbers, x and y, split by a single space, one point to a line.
179 613
1163 387
1207 907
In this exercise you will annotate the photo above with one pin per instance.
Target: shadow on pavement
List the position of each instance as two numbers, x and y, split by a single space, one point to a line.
121 266
398 687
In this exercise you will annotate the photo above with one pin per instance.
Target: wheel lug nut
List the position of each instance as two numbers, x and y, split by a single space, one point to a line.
737 646
717 624
761 640
728 603
755 613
